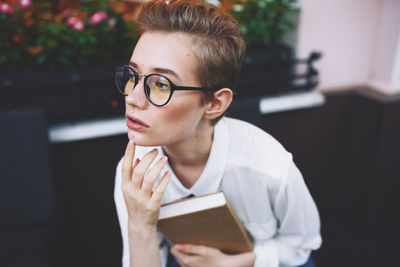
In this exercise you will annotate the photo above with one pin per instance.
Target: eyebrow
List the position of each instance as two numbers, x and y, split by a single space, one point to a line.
158 70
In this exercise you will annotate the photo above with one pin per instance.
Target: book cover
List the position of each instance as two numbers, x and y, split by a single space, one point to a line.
207 220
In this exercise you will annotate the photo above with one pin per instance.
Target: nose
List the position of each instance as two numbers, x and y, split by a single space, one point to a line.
137 97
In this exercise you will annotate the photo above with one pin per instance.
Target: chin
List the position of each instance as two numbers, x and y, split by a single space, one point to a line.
143 140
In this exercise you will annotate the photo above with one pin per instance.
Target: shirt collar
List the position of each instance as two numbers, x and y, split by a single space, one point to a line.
210 179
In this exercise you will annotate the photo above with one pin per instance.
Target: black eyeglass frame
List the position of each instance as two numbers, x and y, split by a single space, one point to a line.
174 87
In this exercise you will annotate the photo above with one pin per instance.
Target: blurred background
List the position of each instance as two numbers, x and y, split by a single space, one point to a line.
323 77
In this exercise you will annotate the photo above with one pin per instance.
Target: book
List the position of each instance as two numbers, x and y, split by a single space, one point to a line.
207 220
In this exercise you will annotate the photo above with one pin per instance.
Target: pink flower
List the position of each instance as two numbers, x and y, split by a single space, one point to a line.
98 17
5 8
79 25
76 23
25 3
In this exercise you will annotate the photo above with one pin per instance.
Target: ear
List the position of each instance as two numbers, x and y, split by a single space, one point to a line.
220 103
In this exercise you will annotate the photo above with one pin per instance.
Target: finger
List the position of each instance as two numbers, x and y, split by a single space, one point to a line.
179 256
126 171
141 168
152 175
191 249
136 163
161 187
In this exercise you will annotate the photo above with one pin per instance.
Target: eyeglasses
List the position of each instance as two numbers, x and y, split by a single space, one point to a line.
158 88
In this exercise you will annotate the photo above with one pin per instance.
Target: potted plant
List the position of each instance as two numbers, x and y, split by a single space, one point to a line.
62 61
268 64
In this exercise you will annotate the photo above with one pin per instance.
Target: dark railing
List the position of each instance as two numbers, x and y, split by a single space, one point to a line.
275 71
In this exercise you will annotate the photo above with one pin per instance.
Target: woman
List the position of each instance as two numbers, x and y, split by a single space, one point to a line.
177 87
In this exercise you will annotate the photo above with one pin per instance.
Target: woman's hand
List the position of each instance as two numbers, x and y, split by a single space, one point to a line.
142 203
201 256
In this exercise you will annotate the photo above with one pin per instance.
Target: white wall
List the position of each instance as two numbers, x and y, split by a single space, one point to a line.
358 40
396 68
385 60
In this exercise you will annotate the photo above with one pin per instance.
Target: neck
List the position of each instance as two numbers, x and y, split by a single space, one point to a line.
195 149
189 157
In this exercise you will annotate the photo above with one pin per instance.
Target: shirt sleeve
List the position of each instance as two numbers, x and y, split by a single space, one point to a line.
298 220
123 223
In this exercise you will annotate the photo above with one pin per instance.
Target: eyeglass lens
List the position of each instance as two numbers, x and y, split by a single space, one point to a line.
125 80
157 87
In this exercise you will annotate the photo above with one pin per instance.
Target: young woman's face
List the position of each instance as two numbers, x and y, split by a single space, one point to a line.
168 54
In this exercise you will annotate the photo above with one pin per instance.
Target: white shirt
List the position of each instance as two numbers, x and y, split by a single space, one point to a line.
264 187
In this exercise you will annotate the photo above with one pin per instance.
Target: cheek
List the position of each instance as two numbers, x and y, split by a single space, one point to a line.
183 115
183 106
180 121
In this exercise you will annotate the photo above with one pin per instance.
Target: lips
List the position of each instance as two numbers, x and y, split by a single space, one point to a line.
135 124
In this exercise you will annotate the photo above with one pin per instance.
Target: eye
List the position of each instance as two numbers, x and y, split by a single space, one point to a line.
163 85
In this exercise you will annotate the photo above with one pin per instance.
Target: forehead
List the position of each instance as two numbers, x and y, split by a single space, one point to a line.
156 50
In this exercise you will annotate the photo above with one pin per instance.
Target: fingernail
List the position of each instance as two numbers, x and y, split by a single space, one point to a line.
155 150
130 143
164 159
179 247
